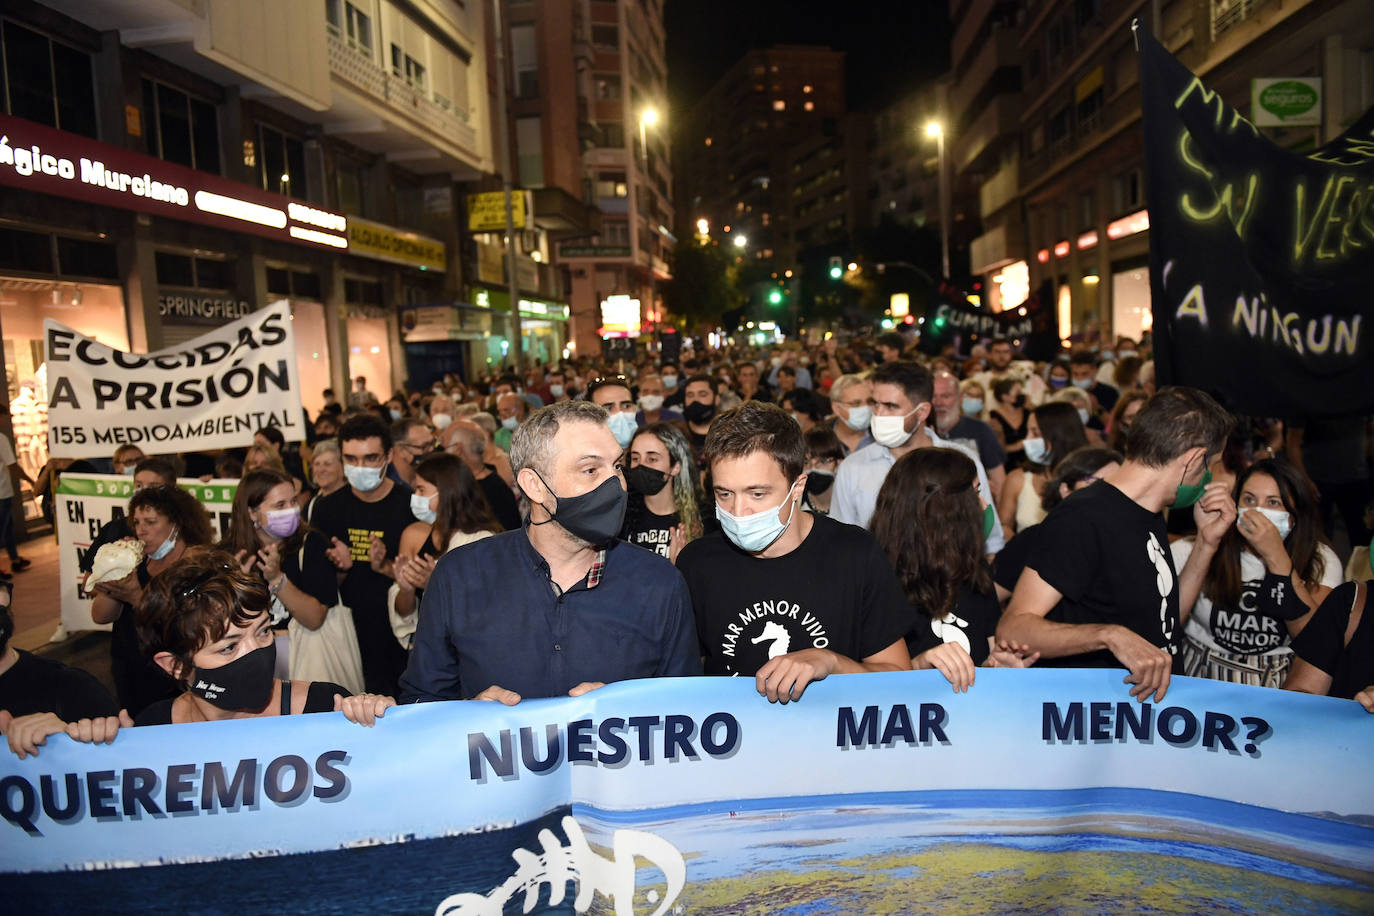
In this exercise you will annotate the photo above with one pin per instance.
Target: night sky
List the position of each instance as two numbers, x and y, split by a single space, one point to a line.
891 45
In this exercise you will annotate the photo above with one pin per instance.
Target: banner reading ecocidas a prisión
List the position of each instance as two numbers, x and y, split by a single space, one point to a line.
1035 791
211 392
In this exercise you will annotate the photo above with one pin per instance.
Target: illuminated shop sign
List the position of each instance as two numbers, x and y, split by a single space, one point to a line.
38 158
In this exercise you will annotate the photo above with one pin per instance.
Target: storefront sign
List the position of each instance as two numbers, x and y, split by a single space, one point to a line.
487 211
211 392
491 263
529 308
38 158
594 251
189 308
619 317
1286 102
85 503
396 246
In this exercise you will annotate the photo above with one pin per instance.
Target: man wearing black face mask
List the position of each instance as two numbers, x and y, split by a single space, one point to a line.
560 607
699 407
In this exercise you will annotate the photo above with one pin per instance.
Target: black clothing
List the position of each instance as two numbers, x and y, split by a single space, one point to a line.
37 684
1322 643
500 499
344 516
138 682
1109 557
974 621
645 529
835 591
320 698
318 578
1012 435
117 529
1011 560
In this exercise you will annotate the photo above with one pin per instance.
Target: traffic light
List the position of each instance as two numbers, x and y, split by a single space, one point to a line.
775 297
836 267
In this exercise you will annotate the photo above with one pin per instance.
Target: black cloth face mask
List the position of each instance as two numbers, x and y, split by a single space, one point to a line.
818 481
646 480
594 517
244 683
698 413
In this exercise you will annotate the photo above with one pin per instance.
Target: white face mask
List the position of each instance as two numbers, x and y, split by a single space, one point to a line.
556 390
1281 519
650 402
440 420
891 431
421 509
859 417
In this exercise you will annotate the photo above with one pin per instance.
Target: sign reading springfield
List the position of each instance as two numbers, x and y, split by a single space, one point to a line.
1261 259
211 392
1035 791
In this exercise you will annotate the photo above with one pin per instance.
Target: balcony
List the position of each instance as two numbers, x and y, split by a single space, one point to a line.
1001 51
1226 14
564 216
1000 119
997 247
1000 189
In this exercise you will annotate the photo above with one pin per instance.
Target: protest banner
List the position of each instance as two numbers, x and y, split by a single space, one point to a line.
953 319
1035 791
1260 257
212 392
86 503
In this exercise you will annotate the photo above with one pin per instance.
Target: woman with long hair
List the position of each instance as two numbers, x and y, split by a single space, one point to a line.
931 521
1237 631
166 520
449 511
1009 418
1052 431
664 511
1127 408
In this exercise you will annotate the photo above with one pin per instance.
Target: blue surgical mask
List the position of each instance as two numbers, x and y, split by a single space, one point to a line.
364 479
859 418
623 427
510 423
419 507
973 406
166 547
670 382
1037 452
1085 383
395 414
128 470
756 533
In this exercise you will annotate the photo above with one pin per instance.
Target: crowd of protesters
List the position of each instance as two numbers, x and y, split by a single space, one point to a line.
784 513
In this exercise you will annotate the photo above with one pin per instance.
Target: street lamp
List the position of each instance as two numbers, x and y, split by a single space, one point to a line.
937 131
741 241
703 227
647 118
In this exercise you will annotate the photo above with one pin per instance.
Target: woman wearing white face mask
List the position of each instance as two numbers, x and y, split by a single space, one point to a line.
166 520
1052 431
1270 571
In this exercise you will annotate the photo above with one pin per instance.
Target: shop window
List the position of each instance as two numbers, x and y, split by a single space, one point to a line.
180 128
282 163
87 258
362 292
48 82
30 252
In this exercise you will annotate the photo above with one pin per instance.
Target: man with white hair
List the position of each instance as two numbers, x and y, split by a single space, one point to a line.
561 606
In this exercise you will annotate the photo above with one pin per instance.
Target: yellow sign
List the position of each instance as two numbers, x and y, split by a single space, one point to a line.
373 240
900 305
487 211
1087 85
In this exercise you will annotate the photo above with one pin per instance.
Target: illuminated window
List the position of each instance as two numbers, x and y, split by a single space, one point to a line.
708 141
810 105
807 89
779 105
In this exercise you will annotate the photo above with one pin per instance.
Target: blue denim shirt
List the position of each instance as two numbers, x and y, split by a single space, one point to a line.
492 616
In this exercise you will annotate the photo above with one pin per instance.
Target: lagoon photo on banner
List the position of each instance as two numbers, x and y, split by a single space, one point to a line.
1035 791
211 392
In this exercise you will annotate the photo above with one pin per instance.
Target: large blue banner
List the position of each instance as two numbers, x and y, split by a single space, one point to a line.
1036 790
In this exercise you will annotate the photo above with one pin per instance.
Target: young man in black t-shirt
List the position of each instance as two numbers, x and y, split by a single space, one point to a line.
1099 588
371 509
780 594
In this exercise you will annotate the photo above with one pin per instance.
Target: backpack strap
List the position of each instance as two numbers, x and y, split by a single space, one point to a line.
1356 610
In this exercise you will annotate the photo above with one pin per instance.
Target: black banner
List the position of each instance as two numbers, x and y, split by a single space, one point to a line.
1261 259
952 319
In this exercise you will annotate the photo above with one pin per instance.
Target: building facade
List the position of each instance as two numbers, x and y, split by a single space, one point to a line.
314 152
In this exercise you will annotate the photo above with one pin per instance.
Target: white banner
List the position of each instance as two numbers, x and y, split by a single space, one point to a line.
85 503
210 392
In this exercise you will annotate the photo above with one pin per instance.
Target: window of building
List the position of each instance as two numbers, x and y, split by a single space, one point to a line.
809 105
1090 107
1059 126
282 162
362 292
1126 192
607 86
807 89
615 232
194 273
350 187
180 128
48 82
26 251
779 105
408 68
350 24
1088 210
606 35
529 142
524 57
611 184
611 135
86 258
1085 11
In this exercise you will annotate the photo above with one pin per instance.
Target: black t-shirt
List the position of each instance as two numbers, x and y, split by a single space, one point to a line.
501 500
317 577
1011 560
139 682
36 684
650 531
1322 643
344 516
320 698
972 622
1109 557
835 591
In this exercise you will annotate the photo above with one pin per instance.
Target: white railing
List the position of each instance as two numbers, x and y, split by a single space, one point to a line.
1228 13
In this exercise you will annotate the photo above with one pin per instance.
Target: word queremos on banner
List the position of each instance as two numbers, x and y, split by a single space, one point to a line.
1034 791
212 392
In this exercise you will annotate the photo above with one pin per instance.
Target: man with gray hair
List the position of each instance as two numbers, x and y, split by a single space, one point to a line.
468 441
561 606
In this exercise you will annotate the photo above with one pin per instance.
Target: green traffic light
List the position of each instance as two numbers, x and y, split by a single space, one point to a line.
836 273
775 297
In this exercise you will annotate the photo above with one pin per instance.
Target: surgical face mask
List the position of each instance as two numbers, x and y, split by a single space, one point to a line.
818 480
891 431
395 414
556 390
1108 356
776 361
859 418
244 683
1281 519
594 517
623 427
166 547
128 470
1037 452
650 402
670 382
282 523
1127 354
1187 494
646 480
1058 382
973 406
1083 415
364 479
1085 383
420 508
441 420
756 533
510 422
